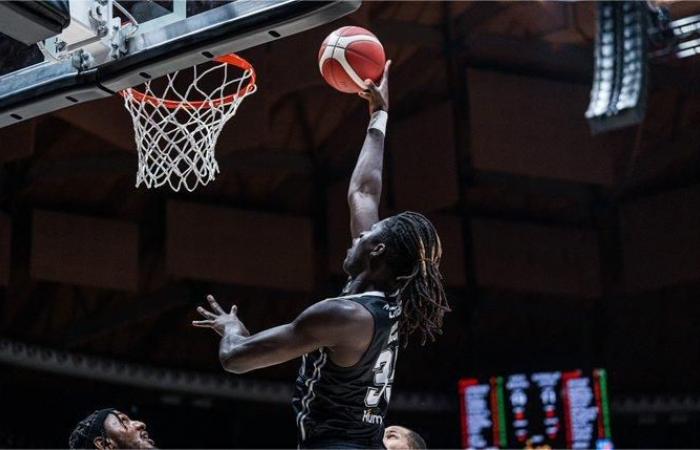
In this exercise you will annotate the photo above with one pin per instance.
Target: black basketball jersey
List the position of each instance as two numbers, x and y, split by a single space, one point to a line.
347 405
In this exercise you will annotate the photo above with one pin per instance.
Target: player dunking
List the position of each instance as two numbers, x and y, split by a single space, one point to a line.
349 344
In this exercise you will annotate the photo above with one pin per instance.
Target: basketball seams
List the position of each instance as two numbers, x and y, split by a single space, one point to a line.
349 70
351 50
328 51
339 57
347 40
325 56
360 55
328 48
332 66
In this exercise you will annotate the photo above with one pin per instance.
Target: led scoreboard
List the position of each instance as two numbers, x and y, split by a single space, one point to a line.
558 409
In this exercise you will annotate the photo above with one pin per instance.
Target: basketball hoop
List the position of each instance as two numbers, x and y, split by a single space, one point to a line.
178 121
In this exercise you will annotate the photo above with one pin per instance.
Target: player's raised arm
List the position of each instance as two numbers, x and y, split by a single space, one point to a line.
330 323
365 188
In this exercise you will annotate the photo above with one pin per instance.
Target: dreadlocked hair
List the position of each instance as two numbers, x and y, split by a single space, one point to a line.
414 251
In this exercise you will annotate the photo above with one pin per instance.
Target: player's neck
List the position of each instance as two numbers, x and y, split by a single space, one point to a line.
364 283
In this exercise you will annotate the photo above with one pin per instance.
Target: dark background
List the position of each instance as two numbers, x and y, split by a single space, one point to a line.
562 250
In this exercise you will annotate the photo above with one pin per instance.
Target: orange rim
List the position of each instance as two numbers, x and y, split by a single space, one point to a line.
231 59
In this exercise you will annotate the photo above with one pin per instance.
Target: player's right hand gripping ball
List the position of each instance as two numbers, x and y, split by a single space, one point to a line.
349 56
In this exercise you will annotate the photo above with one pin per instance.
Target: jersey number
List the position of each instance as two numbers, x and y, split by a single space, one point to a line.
384 372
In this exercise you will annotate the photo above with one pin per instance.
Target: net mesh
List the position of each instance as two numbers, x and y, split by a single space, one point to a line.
178 119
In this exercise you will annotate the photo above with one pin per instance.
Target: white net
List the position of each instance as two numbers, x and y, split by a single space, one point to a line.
178 119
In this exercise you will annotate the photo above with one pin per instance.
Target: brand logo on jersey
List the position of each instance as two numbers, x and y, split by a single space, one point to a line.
374 419
394 310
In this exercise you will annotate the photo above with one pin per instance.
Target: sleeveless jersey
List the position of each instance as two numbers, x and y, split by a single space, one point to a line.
347 405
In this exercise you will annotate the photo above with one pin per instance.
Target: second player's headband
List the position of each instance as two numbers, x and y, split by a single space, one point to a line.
90 428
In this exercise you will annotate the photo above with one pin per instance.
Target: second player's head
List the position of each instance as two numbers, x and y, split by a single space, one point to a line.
110 429
401 438
404 252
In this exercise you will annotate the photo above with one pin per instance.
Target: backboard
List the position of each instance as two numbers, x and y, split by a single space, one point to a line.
112 45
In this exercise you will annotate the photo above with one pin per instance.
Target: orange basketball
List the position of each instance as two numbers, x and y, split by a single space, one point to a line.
349 56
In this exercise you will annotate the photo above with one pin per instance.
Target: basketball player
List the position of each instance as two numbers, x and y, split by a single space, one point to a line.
109 429
349 344
400 438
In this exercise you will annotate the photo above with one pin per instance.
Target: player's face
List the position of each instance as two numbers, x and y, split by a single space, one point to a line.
127 433
396 438
357 259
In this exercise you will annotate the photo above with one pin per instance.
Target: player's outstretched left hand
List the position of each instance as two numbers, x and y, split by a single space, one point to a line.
378 96
217 319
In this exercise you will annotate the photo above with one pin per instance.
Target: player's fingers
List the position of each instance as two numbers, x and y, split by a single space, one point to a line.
204 313
214 304
372 89
364 95
387 66
203 323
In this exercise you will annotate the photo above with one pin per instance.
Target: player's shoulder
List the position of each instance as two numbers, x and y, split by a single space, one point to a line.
335 314
338 308
352 302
